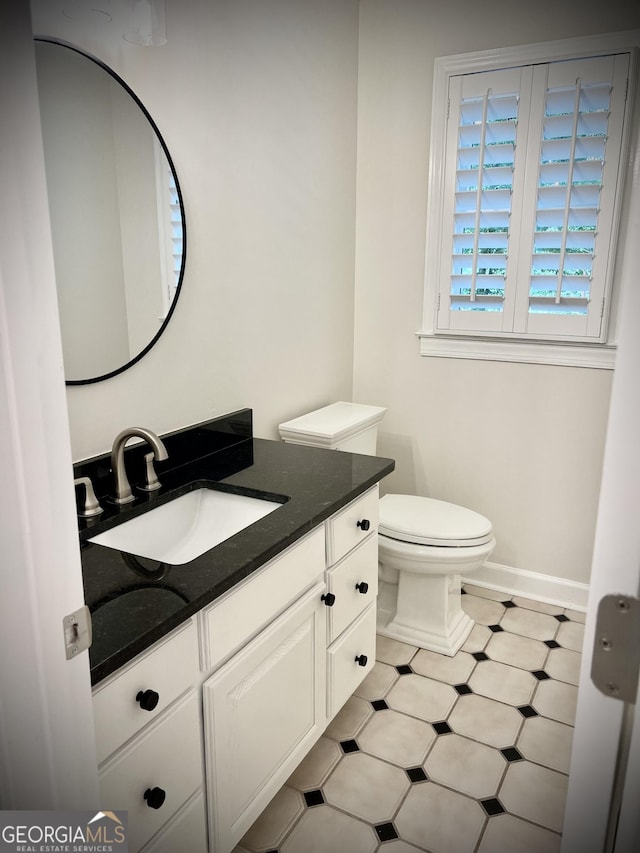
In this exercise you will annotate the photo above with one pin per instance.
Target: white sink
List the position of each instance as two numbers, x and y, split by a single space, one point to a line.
179 531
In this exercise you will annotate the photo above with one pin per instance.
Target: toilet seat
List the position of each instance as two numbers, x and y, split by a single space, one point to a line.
426 521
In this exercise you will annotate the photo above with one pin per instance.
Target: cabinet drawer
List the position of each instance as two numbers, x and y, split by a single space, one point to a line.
346 529
357 571
166 755
186 831
345 672
241 613
168 668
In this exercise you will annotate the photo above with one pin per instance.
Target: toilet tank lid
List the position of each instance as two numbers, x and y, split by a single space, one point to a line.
333 423
426 521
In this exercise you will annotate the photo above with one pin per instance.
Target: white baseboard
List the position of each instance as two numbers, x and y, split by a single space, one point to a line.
552 590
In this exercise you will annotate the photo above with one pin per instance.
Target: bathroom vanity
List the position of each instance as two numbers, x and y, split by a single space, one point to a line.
214 678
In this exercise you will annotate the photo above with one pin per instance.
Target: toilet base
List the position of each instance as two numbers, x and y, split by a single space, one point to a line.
424 611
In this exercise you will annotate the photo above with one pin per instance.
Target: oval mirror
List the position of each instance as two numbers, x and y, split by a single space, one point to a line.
117 217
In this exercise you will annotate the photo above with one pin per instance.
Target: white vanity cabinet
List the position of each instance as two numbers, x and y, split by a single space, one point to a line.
245 688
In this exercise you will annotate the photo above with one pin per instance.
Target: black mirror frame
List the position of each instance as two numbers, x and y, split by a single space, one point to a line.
145 112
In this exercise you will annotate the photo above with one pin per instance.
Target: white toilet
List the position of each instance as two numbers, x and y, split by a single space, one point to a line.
424 545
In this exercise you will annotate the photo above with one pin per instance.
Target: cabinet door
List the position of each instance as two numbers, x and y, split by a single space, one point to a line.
263 710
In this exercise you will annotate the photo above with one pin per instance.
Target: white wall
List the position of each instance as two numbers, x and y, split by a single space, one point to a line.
522 444
257 103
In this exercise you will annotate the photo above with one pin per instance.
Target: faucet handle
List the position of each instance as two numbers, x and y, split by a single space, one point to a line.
152 482
91 505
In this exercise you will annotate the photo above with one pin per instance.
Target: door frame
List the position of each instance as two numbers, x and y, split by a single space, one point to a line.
604 775
47 745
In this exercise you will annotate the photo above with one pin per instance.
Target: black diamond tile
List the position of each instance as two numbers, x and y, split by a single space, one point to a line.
552 644
442 728
462 689
540 674
480 656
508 604
417 774
404 669
349 746
314 798
527 711
492 806
379 705
495 628
386 831
562 618
511 754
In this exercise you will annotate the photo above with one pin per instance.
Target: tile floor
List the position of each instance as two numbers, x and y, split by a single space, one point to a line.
468 754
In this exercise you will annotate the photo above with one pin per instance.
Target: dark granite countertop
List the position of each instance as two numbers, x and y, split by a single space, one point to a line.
134 603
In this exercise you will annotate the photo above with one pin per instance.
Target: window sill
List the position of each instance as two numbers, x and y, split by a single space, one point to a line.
600 356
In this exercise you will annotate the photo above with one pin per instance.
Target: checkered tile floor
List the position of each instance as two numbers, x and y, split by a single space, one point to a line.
468 754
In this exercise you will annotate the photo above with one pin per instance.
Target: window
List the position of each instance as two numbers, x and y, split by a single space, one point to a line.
170 230
525 192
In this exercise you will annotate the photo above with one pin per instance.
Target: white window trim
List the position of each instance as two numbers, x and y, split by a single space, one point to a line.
434 344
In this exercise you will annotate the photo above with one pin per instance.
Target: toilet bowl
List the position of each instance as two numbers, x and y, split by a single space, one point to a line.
424 545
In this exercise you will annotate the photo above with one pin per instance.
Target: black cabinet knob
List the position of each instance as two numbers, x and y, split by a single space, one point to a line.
362 587
155 797
148 699
361 660
364 524
329 599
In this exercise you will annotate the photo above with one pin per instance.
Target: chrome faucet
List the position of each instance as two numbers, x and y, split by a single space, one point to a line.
124 494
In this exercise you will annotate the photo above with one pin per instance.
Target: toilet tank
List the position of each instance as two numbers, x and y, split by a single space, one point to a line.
340 426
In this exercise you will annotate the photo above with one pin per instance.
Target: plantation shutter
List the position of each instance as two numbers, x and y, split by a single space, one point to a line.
176 235
482 140
170 228
571 227
531 167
